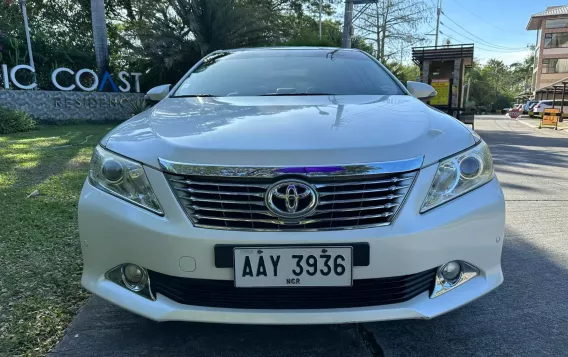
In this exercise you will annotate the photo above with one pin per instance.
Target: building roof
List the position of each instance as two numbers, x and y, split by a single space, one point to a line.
444 52
535 21
554 86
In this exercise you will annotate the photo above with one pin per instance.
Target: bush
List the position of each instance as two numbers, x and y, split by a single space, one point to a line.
14 121
137 106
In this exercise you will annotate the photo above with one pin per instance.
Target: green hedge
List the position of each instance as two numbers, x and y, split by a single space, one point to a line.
14 121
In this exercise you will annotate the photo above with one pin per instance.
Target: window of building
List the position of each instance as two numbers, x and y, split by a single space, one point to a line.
555 65
556 23
556 40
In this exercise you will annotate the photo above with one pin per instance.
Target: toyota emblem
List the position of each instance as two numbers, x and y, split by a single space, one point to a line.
291 199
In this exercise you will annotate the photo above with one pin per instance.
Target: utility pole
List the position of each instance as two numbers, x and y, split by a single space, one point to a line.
439 10
467 93
27 29
347 20
320 3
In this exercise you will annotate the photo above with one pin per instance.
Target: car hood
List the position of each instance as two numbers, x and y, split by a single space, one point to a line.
289 131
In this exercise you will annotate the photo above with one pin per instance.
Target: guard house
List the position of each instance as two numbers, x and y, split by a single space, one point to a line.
558 93
443 67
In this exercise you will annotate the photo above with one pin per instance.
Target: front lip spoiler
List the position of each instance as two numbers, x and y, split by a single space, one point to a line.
181 168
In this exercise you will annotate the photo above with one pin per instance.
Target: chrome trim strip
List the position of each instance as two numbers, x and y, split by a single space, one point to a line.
338 184
389 197
259 203
228 193
388 205
232 210
400 166
391 188
228 184
301 222
348 228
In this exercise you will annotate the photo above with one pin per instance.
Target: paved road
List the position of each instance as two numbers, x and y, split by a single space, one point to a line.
526 316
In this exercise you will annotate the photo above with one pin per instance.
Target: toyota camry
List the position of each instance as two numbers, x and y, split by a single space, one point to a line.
291 186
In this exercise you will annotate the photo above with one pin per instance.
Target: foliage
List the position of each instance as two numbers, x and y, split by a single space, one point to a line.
160 38
495 85
137 106
40 273
15 121
404 72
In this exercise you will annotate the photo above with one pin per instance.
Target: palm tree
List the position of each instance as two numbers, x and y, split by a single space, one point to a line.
100 36
218 24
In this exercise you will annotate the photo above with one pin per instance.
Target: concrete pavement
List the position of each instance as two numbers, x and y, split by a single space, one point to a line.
526 316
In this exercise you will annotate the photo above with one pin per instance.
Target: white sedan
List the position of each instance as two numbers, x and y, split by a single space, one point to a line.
291 186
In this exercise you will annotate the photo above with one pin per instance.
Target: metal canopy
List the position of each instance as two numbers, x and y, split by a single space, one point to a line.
440 53
556 86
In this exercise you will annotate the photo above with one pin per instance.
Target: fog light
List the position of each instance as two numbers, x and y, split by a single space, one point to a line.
134 277
451 271
451 275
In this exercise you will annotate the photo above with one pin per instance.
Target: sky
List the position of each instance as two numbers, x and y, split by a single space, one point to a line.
498 27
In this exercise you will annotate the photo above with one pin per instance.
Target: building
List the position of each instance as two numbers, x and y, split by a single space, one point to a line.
551 53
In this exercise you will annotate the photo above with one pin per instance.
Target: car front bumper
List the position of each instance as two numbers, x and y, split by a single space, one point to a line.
469 229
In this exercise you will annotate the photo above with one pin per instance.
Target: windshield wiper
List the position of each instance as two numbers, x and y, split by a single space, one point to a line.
292 94
193 95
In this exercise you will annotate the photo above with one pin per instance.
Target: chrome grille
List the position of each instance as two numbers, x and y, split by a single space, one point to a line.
345 202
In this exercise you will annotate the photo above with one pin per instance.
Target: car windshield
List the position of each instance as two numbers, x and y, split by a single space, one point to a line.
288 73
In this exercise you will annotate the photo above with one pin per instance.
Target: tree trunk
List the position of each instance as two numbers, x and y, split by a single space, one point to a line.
100 36
378 32
386 10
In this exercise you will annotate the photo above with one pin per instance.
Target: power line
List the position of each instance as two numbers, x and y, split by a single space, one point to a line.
478 45
477 42
486 43
479 17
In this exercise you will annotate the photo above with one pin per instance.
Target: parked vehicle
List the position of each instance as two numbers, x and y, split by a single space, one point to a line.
539 107
291 186
529 104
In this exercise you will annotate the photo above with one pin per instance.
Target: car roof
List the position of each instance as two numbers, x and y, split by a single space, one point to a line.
292 48
308 51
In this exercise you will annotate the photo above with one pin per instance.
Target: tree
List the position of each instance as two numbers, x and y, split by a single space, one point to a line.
393 25
404 73
523 71
218 24
100 38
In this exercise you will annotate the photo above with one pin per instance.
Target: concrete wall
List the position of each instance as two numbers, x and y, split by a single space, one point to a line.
545 79
61 105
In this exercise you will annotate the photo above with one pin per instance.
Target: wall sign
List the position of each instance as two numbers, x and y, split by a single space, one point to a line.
442 86
97 84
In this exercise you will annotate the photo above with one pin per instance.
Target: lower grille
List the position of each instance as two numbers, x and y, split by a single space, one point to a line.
223 294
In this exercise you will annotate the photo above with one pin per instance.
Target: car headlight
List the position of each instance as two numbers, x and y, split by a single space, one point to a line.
123 178
459 175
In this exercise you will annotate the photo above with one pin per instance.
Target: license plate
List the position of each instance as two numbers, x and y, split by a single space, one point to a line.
293 266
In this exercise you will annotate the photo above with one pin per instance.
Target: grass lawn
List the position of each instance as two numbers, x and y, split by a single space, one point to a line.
40 260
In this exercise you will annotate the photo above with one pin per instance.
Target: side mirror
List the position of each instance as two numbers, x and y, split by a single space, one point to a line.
158 93
421 90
